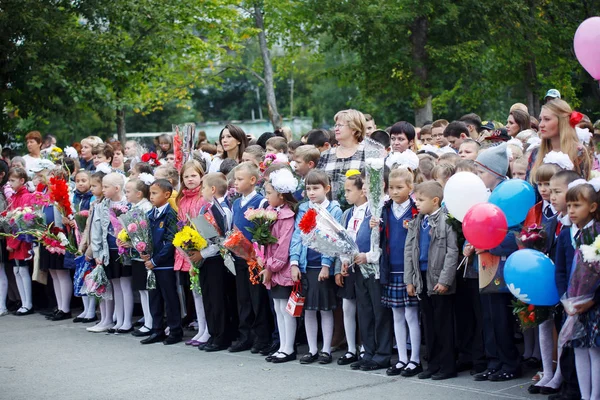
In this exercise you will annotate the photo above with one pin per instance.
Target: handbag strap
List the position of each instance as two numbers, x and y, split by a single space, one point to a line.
298 287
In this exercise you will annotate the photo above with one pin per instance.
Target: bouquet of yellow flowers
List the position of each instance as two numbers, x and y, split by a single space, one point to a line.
188 240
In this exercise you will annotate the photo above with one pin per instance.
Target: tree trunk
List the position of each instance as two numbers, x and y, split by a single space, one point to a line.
531 83
276 119
120 120
418 38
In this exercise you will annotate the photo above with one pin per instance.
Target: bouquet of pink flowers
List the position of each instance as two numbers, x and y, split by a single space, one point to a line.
137 226
96 284
114 212
25 219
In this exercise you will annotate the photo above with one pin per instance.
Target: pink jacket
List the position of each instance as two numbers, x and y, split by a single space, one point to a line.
190 205
22 198
277 255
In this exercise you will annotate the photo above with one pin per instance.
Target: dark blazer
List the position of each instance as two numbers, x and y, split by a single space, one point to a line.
163 229
563 260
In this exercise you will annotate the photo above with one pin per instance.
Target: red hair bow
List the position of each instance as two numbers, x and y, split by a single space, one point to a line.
575 118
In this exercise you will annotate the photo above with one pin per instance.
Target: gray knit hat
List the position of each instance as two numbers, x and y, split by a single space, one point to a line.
494 159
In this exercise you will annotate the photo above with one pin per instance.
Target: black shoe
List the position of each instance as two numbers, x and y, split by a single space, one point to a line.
211 347
347 358
269 350
462 366
440 376
309 358
139 333
88 320
61 316
533 363
78 319
371 365
394 370
563 396
532 389
48 313
22 313
409 373
236 348
503 376
202 346
325 358
427 374
357 364
260 348
122 331
477 369
154 338
279 360
270 357
172 339
51 314
485 375
138 324
546 390
111 331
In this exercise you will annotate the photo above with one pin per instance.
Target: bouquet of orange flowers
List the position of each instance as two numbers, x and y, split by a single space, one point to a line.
239 245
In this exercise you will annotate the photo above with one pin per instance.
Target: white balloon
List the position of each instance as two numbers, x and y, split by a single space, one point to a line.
463 190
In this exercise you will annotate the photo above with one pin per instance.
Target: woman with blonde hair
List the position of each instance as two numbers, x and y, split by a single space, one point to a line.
557 131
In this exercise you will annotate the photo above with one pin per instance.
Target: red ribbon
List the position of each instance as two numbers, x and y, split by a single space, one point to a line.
575 118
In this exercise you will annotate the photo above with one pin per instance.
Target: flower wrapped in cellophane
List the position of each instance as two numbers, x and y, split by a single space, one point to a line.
185 241
322 233
25 219
239 245
97 284
136 231
58 190
210 230
375 194
584 280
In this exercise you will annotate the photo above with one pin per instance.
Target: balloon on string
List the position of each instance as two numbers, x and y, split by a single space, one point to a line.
514 197
529 275
587 46
462 191
484 226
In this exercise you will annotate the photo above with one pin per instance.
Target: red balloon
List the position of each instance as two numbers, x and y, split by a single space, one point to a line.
485 226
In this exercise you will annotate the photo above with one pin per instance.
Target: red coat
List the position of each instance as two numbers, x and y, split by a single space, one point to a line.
22 198
534 216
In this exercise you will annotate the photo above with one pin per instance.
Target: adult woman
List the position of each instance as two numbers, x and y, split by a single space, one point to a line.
350 130
234 141
517 121
34 148
557 131
118 161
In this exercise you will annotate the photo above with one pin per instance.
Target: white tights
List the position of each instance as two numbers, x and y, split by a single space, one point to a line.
546 330
3 288
587 363
145 300
312 330
349 308
402 317
287 328
24 285
123 295
63 289
202 335
89 307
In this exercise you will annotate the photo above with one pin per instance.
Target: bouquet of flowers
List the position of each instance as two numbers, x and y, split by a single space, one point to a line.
24 219
533 237
96 284
114 213
56 242
188 240
58 191
375 194
151 158
530 316
209 229
271 158
584 280
237 243
322 233
261 231
137 228
81 219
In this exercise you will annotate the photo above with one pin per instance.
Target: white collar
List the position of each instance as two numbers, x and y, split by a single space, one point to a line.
324 204
565 220
162 208
362 207
219 200
548 204
248 197
401 206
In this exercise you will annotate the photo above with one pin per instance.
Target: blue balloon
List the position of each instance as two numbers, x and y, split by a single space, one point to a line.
514 197
529 275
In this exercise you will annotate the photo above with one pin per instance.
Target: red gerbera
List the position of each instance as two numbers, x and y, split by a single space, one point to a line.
308 221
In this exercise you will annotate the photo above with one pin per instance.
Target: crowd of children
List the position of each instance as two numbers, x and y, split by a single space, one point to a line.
426 287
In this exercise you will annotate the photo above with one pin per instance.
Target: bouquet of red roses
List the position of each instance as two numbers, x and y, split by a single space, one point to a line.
151 158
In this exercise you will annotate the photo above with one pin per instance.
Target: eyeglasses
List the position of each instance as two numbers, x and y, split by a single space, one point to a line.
338 126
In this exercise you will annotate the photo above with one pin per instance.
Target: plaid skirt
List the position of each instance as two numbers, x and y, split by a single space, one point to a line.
588 330
394 294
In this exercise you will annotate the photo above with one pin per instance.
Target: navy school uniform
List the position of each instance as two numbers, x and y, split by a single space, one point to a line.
374 320
254 311
163 228
218 288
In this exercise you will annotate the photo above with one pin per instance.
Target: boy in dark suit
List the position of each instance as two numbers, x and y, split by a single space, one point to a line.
163 225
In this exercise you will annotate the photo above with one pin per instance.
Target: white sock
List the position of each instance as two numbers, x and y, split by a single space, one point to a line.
400 334
528 343
290 329
557 380
66 289
145 300
127 302
202 335
583 365
349 309
595 375
280 324
3 288
411 314
327 328
24 285
546 336
312 329
57 288
85 300
118 299
91 309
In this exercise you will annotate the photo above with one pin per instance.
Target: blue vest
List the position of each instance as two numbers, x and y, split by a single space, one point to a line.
397 239
239 220
313 259
424 240
363 236
81 201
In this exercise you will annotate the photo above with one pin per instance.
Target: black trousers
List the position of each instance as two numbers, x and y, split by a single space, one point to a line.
374 320
165 294
570 385
438 319
469 322
218 293
254 312
498 332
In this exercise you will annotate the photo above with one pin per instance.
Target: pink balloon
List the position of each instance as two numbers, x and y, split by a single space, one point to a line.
485 226
587 46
